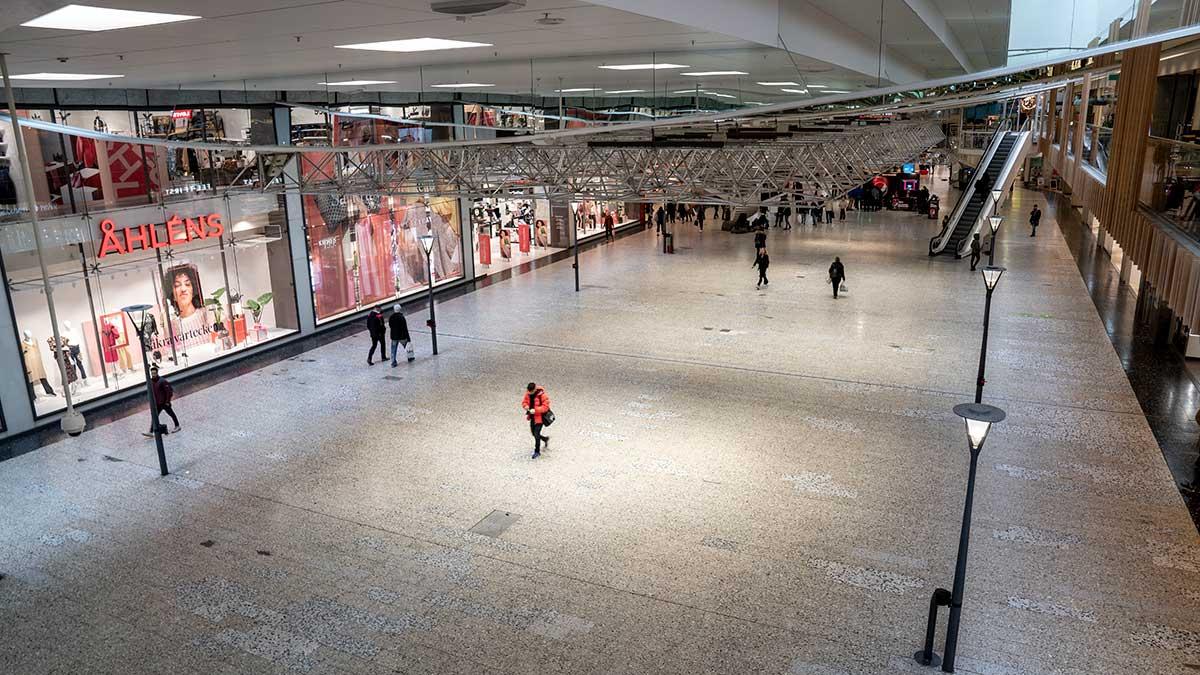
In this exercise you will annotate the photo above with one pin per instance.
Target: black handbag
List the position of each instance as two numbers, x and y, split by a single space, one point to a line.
548 418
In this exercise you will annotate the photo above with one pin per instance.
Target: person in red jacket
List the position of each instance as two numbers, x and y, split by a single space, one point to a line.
536 404
162 398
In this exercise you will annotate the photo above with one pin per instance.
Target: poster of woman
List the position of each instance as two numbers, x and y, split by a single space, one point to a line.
185 299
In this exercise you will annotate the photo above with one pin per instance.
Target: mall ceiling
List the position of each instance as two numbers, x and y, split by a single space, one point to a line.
292 45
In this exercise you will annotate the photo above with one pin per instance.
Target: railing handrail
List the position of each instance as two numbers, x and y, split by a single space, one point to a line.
1007 170
965 197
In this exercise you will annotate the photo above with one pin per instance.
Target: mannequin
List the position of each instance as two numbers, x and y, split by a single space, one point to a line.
68 365
35 371
70 338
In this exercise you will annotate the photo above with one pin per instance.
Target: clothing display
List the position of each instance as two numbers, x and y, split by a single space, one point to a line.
109 336
68 365
35 371
74 352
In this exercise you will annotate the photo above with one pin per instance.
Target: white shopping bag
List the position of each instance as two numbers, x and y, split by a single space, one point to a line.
843 288
408 347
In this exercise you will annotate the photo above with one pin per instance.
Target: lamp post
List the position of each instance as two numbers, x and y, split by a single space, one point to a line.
137 316
73 422
994 221
427 244
979 418
991 277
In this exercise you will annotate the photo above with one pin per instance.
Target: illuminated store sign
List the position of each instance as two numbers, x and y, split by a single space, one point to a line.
146 237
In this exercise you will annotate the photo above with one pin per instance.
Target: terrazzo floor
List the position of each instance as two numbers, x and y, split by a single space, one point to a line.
741 481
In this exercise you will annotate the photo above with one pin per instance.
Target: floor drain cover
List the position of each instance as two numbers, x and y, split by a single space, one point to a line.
393 377
495 523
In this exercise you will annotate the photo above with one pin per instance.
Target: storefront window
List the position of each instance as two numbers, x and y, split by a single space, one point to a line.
363 249
508 232
216 270
589 217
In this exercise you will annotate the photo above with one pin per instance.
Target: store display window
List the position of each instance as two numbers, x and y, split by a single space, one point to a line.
589 217
363 249
508 232
217 272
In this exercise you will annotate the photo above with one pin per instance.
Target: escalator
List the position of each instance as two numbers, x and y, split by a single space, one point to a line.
999 162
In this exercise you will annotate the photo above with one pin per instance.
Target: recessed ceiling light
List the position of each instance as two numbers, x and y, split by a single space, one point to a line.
64 76
716 72
574 90
795 91
626 91
713 93
755 103
817 86
414 45
462 85
643 66
355 83
835 91
779 84
82 17
689 91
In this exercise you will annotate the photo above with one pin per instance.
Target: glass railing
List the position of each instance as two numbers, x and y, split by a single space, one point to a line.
1171 183
1096 140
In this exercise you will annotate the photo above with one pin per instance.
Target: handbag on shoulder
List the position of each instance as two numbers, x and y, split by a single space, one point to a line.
548 418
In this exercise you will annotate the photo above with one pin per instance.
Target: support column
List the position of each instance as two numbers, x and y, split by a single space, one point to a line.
1126 268
1081 122
14 394
297 239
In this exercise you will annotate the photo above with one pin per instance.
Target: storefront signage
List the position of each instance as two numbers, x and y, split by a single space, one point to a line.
146 237
181 114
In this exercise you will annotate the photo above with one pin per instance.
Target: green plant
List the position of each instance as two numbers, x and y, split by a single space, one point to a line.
213 303
257 305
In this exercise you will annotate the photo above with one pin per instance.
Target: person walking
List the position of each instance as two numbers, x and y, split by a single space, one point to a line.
762 261
828 211
608 226
671 212
976 250
660 221
399 328
378 331
760 242
162 399
1035 217
837 274
536 404
700 217
787 216
779 217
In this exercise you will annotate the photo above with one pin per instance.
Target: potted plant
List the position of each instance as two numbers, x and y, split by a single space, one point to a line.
256 307
213 303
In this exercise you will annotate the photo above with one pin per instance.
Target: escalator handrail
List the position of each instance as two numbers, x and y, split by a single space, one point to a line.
1005 174
965 198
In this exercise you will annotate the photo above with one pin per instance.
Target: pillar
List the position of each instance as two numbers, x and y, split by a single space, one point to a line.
297 240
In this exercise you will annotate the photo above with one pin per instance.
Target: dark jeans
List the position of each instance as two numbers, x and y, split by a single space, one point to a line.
762 276
165 407
377 341
841 214
974 260
836 284
535 428
828 217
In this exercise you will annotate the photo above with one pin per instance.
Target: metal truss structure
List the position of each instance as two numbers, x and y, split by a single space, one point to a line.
826 162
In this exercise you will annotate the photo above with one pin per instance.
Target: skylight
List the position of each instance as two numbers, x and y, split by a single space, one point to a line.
415 45
643 66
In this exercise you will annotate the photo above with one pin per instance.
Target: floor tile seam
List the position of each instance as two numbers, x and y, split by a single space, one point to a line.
764 371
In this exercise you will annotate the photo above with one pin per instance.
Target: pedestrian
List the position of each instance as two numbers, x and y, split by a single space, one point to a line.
399 327
608 226
726 213
787 217
1035 217
976 250
828 211
760 241
779 217
837 274
671 212
660 221
162 400
762 261
814 213
536 404
700 217
842 204
378 332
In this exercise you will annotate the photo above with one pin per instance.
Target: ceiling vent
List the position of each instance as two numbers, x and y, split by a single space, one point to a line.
475 7
548 20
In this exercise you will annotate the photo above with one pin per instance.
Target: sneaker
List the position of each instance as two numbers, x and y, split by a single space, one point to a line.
393 364
176 429
536 454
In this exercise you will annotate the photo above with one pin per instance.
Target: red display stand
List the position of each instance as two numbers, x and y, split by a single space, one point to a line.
523 238
485 249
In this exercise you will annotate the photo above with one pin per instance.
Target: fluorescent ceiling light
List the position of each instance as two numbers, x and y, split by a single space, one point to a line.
355 83
626 91
721 95
689 91
779 84
64 76
414 45
82 17
795 91
817 86
462 85
836 91
716 72
643 66
573 90
755 103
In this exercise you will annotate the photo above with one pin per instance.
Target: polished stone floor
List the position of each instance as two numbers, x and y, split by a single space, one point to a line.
741 480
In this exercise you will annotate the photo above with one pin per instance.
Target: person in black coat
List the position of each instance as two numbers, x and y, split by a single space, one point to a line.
837 274
660 221
976 251
760 241
762 261
1035 217
399 328
378 332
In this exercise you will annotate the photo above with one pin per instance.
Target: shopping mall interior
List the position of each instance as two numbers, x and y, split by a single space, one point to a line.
595 336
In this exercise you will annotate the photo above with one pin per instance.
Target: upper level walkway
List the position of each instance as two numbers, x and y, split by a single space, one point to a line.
740 480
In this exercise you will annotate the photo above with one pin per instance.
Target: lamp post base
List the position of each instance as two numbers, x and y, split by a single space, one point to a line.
933 662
